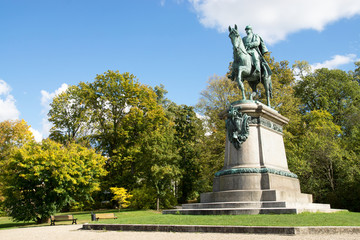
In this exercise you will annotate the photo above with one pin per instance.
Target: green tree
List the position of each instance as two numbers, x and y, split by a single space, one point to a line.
186 129
320 154
348 186
160 92
125 121
143 198
69 116
158 167
301 69
357 72
123 111
283 89
13 134
112 114
326 157
334 91
121 196
186 139
42 178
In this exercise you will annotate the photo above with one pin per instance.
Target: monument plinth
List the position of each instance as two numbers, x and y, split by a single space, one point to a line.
255 178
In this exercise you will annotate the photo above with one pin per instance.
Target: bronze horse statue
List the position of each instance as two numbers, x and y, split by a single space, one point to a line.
244 69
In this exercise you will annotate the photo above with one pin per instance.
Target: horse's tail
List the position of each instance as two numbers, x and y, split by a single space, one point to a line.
266 79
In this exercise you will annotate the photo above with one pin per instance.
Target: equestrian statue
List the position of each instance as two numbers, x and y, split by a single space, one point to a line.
249 63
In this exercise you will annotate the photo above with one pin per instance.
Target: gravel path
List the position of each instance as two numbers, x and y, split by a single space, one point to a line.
74 232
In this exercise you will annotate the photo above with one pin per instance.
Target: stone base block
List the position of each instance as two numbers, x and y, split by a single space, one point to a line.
258 181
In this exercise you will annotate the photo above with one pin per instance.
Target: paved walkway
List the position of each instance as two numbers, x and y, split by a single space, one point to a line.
74 232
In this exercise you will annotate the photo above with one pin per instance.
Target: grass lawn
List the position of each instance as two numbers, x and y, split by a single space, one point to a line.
153 217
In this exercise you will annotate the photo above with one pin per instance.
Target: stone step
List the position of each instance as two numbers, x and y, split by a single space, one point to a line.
255 196
231 211
269 204
314 210
308 206
247 211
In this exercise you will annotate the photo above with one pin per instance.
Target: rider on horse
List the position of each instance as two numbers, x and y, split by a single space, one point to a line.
248 52
256 48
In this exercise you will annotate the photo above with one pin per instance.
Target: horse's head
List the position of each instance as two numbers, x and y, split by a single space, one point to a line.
234 36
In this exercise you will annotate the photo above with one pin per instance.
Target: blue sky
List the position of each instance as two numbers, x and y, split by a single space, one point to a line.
47 45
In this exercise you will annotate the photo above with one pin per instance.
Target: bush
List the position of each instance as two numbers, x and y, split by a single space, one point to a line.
143 198
168 201
2 212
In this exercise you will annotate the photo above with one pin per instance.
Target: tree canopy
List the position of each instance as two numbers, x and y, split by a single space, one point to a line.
13 134
325 152
127 122
41 178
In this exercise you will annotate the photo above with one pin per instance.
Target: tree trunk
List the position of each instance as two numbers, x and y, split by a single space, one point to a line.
42 220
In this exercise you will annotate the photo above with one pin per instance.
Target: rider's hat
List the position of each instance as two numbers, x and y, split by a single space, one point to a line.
248 27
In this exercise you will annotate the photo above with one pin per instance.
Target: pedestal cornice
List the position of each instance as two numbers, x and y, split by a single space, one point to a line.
256 109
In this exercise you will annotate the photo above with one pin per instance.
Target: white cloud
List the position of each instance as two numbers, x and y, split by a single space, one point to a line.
8 110
46 99
162 2
275 19
335 61
37 135
4 88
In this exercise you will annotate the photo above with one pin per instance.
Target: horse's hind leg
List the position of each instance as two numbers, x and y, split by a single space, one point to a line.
268 89
253 87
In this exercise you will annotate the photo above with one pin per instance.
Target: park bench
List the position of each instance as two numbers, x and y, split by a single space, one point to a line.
60 218
104 216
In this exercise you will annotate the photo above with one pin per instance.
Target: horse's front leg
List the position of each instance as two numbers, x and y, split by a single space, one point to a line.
241 84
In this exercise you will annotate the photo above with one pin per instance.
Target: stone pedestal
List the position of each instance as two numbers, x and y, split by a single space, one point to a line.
255 178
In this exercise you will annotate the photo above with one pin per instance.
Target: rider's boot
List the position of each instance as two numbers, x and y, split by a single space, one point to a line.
257 67
256 64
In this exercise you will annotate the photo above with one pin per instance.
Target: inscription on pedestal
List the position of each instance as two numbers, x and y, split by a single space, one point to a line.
266 123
